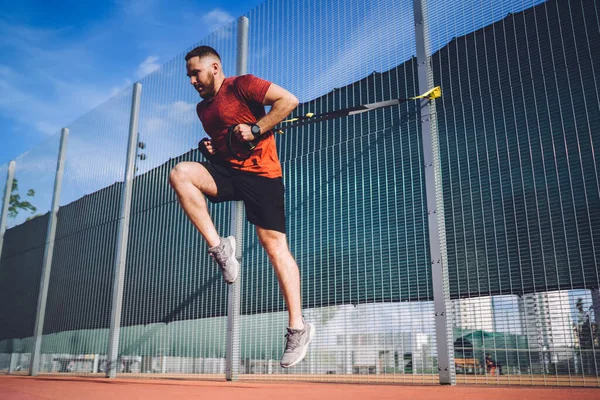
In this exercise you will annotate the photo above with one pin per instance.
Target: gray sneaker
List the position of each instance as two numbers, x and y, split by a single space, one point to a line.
224 255
296 345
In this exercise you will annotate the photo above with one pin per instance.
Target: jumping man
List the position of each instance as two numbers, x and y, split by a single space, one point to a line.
256 181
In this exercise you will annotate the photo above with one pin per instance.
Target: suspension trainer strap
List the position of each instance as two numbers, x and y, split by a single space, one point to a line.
311 118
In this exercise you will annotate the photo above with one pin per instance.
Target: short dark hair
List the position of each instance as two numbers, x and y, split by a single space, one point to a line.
202 51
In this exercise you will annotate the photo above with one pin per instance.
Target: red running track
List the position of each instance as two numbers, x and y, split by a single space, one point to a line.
73 388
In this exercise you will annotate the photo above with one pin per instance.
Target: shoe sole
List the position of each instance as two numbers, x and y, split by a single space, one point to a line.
233 244
312 332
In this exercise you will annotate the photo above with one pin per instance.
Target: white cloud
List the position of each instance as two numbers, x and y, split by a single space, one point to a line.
39 101
154 125
174 115
10 93
147 66
46 127
117 89
216 19
181 108
25 36
30 110
76 76
44 112
168 129
82 66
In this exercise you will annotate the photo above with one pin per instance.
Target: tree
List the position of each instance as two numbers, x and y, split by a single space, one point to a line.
15 203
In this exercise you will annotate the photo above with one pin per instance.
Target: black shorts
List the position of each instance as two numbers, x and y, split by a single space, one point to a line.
263 197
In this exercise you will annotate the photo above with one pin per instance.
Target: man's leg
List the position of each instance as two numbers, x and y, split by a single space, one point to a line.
299 333
275 244
191 181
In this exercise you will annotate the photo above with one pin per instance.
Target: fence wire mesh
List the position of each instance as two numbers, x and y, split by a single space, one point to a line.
23 251
79 295
515 129
355 204
518 122
174 319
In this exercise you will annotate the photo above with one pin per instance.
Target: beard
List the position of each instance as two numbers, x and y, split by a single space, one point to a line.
208 89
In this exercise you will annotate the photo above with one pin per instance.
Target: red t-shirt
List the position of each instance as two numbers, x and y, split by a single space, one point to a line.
239 101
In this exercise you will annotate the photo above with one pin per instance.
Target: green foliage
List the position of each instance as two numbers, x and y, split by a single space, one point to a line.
15 203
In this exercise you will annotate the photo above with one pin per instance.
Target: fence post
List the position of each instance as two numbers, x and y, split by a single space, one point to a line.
4 214
13 363
435 204
34 367
237 228
122 237
3 219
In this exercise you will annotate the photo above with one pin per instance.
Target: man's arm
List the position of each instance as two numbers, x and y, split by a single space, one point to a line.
282 104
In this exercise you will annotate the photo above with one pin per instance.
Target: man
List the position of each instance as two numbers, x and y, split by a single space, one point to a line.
490 364
256 181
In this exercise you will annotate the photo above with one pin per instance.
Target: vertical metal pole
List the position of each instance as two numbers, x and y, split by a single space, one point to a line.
237 228
435 206
95 363
34 367
13 363
3 219
4 214
123 236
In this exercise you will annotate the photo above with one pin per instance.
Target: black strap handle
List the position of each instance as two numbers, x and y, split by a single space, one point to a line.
212 158
249 146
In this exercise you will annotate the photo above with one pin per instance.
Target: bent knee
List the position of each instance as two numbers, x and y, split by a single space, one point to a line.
188 175
181 173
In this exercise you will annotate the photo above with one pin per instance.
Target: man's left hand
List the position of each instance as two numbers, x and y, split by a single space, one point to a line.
244 133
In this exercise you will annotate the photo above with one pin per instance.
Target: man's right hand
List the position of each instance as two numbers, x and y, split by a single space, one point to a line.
208 144
208 151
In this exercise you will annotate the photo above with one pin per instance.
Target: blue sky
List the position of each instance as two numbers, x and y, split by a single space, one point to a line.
60 59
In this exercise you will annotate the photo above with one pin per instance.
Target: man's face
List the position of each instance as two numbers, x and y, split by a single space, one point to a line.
201 73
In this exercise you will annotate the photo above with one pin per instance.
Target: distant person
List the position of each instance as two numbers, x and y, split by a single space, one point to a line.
490 364
239 102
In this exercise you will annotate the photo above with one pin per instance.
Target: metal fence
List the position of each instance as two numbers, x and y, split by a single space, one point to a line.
450 241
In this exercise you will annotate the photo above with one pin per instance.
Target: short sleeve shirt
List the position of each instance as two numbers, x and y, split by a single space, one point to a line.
239 101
